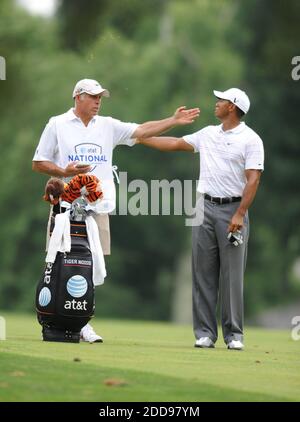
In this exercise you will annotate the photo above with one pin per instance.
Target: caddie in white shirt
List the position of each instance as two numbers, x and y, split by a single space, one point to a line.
80 141
231 162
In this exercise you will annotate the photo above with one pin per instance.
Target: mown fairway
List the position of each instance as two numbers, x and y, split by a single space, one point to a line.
145 361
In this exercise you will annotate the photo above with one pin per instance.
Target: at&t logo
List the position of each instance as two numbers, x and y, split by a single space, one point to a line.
76 287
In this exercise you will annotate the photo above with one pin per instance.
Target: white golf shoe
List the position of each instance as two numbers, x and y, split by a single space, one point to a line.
88 334
235 345
204 342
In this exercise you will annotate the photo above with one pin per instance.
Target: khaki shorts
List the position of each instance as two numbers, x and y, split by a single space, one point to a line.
102 221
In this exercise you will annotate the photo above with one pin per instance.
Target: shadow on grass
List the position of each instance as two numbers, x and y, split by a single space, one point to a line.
24 378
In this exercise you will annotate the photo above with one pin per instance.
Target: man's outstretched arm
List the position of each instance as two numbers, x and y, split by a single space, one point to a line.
182 116
166 143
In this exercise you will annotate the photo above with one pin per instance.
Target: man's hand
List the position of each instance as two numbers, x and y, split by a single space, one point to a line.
182 116
236 223
72 169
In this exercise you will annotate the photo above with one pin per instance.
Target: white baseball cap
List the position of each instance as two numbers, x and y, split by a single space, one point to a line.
236 96
90 86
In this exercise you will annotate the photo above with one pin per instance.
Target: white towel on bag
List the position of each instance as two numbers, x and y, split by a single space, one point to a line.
60 240
99 270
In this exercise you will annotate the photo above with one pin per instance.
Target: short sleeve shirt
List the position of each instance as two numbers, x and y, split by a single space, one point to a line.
224 157
66 139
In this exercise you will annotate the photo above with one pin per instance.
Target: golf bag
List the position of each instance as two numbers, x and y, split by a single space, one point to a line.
65 293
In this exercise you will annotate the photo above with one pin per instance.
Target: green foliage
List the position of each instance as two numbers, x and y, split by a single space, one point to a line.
80 25
153 56
274 115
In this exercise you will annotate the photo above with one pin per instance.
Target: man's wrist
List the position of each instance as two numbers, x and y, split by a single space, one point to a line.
62 172
241 211
173 121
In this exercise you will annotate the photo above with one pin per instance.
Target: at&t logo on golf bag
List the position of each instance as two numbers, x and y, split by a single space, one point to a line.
48 271
44 297
76 287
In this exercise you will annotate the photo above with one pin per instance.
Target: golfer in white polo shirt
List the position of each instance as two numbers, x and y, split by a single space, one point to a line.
231 162
80 141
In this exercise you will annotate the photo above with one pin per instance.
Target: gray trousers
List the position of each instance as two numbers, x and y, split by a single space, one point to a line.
218 272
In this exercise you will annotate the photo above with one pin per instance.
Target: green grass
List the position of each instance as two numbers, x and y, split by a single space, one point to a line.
152 362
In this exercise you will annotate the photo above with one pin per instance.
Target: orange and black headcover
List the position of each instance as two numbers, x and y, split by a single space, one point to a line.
81 184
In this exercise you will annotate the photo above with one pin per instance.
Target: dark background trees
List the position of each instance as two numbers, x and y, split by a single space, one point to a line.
153 56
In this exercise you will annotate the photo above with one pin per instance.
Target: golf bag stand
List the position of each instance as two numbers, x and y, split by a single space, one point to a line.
65 293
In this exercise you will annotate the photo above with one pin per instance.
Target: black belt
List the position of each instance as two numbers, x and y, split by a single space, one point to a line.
221 201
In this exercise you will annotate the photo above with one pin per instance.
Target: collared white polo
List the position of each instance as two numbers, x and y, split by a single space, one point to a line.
66 139
224 157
